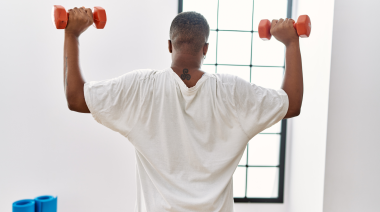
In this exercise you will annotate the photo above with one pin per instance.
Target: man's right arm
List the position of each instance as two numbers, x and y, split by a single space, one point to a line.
292 84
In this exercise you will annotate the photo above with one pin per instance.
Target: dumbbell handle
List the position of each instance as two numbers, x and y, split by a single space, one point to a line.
60 17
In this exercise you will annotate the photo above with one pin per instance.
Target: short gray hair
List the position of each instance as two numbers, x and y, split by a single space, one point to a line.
189 32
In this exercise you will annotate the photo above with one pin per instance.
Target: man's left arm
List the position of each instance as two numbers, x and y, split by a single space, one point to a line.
79 20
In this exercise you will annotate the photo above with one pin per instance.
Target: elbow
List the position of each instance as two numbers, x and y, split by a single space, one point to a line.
293 113
71 103
297 112
71 106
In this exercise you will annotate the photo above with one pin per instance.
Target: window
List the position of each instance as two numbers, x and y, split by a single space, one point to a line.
235 48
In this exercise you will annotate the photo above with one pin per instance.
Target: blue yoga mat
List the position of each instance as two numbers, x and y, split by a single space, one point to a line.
46 204
25 205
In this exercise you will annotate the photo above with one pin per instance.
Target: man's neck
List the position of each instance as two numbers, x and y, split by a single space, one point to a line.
188 68
188 61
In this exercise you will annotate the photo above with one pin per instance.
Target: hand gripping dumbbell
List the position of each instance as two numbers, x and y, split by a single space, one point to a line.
60 17
302 26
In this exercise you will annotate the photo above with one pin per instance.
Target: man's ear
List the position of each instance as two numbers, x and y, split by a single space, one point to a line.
205 49
170 46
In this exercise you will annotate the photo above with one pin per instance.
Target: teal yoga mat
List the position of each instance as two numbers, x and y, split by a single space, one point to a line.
25 205
39 204
46 204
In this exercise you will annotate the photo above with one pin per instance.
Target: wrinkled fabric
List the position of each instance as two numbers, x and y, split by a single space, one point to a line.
188 141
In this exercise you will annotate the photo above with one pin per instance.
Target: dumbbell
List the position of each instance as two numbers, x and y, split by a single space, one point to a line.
302 26
60 17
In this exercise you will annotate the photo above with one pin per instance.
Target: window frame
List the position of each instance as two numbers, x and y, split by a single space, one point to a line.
281 166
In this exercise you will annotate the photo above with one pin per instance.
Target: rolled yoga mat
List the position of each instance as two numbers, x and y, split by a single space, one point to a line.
46 204
25 205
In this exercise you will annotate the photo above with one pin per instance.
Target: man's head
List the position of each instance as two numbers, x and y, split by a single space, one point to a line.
189 33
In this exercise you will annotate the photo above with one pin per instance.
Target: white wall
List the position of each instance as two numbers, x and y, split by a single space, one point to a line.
308 131
353 141
44 147
306 140
47 149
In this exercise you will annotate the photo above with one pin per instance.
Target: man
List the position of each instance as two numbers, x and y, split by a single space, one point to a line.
189 128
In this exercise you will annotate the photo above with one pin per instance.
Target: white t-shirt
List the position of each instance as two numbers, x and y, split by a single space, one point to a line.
188 141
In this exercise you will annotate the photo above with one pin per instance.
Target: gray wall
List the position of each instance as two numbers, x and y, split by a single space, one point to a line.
353 138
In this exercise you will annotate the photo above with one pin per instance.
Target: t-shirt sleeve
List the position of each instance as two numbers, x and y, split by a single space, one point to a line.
115 102
258 108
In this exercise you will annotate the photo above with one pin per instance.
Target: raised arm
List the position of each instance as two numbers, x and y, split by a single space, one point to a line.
292 84
79 20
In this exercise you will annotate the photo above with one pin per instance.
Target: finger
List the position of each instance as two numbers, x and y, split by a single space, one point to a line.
90 15
288 22
273 24
89 12
71 15
71 11
82 10
280 21
75 10
291 21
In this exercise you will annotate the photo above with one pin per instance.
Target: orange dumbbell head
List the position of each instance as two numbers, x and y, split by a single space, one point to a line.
303 26
100 17
59 17
264 29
